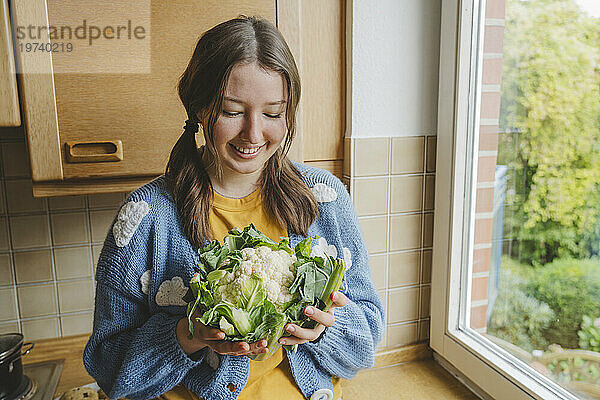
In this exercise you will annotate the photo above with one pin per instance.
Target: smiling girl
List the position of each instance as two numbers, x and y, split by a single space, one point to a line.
241 88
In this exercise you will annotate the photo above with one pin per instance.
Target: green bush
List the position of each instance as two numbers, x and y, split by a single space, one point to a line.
572 289
589 334
516 317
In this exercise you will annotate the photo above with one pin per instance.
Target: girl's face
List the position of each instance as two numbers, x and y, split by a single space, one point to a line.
252 123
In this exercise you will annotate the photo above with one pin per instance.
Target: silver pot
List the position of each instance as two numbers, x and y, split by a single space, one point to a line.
11 366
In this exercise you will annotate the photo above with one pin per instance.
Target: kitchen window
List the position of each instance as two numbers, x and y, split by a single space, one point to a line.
515 304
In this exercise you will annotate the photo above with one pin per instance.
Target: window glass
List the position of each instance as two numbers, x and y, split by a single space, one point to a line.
534 279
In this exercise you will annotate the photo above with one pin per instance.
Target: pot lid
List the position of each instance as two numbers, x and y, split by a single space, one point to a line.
9 343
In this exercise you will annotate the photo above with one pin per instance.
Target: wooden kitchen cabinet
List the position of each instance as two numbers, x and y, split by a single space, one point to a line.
9 100
111 132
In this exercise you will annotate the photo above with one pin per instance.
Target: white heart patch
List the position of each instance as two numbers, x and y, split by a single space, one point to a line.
145 281
324 193
170 293
321 249
128 220
347 257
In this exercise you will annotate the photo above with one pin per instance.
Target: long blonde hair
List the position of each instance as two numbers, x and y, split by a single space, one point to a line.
201 90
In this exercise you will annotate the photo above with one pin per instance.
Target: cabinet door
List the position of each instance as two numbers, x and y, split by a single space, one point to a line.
9 100
91 132
136 114
316 32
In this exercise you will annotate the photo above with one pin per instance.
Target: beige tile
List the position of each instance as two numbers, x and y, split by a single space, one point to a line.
37 329
425 301
347 157
406 232
69 228
378 265
19 195
75 296
77 324
3 234
375 233
384 300
423 330
9 327
408 155
370 196
29 231
407 194
431 153
2 205
15 160
403 305
96 250
33 266
8 305
402 335
72 262
101 222
371 156
105 200
383 344
6 277
429 192
428 230
66 203
426 267
404 268
35 301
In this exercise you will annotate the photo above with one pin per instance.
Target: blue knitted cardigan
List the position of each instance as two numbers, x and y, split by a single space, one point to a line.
133 351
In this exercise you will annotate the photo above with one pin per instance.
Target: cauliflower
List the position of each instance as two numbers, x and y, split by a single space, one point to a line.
274 267
251 287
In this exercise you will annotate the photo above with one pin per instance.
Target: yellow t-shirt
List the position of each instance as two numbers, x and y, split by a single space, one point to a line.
271 378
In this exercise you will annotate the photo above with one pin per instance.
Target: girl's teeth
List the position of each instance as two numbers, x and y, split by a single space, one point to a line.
247 151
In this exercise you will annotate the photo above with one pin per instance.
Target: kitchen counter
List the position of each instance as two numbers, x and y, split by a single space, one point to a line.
406 373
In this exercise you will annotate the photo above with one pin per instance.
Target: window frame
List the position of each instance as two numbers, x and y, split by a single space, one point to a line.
491 368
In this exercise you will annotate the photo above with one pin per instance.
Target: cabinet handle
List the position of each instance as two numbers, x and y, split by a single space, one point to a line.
94 151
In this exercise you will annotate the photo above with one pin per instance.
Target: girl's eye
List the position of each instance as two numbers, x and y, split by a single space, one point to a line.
231 114
274 115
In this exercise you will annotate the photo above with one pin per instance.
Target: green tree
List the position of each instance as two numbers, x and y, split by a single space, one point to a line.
551 94
571 288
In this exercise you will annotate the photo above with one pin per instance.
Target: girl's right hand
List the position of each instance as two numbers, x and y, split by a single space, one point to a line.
207 336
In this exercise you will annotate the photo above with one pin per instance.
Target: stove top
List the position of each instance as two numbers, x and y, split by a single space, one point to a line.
42 380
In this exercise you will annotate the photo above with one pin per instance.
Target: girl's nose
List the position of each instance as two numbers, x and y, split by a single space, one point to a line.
253 129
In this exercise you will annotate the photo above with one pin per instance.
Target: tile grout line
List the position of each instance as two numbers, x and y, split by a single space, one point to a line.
55 211
422 239
61 246
91 252
394 175
47 282
46 316
388 238
91 249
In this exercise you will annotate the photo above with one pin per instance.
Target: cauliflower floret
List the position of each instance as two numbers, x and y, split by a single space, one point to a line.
274 267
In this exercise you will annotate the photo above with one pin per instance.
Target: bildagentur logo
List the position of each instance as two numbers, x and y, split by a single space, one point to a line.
84 31
82 36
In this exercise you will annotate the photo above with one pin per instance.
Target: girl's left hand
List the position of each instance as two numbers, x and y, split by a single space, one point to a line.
325 320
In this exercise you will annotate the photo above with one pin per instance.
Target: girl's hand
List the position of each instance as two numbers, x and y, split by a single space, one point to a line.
325 319
208 336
